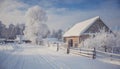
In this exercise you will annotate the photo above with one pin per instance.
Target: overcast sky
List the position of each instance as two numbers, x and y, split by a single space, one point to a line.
62 13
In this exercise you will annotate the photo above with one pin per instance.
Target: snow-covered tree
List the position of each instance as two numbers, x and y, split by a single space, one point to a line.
60 34
11 31
57 34
35 24
103 41
2 28
117 35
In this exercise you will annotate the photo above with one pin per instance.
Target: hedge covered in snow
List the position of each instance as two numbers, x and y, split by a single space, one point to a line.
103 41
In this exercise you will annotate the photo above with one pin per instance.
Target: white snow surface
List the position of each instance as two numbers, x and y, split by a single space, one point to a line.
80 28
28 56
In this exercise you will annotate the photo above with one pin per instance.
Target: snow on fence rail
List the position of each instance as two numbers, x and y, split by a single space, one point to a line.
92 53
112 56
83 52
86 51
96 53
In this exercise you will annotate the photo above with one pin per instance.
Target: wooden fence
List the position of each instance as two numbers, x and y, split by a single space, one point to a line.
92 53
84 52
112 56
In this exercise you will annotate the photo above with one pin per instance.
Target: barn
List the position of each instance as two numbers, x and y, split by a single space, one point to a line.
81 31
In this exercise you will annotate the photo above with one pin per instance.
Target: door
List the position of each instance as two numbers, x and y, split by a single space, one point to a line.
70 43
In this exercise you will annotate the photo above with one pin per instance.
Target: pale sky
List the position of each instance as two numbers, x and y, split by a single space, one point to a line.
62 14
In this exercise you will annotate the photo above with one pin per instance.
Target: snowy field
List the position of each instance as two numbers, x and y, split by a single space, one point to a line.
26 56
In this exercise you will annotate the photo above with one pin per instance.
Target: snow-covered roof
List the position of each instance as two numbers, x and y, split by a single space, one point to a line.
81 27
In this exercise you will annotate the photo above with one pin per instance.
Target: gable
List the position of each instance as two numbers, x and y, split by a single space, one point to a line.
97 26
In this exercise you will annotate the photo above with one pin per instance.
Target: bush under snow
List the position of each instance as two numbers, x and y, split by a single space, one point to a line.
103 41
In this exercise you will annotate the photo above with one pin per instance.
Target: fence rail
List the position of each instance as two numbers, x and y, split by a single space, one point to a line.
112 56
92 53
83 52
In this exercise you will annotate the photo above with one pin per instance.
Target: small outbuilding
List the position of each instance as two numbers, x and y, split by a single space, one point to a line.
80 31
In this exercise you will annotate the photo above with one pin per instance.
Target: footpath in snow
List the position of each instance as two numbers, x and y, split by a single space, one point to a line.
26 56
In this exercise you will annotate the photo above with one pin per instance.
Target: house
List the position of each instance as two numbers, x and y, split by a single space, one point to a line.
80 31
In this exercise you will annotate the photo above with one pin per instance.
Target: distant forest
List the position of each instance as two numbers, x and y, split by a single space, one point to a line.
10 31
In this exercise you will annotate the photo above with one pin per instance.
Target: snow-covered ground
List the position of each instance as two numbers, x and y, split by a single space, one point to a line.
26 56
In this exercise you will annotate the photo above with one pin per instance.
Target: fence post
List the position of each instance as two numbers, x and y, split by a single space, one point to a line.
80 50
94 53
111 57
57 46
68 49
48 44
